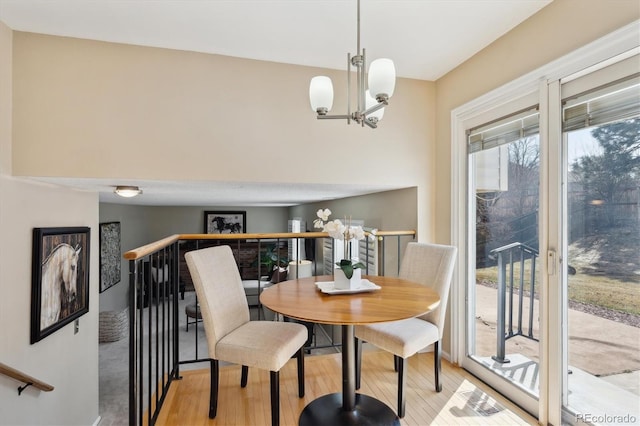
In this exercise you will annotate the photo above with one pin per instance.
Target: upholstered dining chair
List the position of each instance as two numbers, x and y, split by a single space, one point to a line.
430 265
231 336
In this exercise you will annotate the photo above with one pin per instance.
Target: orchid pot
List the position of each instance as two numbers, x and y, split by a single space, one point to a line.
341 282
348 273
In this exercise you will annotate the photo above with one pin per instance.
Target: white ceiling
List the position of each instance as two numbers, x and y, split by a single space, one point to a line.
201 193
425 39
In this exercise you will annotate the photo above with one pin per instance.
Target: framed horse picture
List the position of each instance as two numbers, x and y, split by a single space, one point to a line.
60 278
225 222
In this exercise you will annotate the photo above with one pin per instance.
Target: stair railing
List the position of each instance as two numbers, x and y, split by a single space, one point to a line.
153 327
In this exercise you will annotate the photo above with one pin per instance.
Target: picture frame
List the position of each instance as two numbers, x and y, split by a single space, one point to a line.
60 278
225 222
110 255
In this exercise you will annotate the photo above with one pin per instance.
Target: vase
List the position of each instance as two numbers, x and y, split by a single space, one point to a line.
341 282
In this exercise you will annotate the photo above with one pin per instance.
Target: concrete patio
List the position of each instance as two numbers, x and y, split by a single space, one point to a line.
604 357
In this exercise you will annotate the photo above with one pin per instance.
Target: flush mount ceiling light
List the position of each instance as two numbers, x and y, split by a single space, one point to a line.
370 108
127 191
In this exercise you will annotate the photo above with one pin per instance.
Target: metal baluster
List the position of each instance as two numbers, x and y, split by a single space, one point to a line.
511 273
500 326
133 384
533 277
398 262
521 291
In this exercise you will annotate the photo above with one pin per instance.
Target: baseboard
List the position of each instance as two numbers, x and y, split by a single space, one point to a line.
97 421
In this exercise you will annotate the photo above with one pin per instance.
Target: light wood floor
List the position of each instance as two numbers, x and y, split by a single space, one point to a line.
464 400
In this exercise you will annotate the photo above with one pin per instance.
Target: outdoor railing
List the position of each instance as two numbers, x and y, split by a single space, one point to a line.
154 276
509 256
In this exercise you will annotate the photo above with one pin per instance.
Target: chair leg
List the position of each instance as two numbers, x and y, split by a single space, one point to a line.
243 379
275 398
358 353
213 392
300 357
437 365
402 376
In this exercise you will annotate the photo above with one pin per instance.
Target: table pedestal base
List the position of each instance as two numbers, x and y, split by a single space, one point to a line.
327 411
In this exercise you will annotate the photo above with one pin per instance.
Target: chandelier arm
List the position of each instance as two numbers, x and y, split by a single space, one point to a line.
334 117
376 107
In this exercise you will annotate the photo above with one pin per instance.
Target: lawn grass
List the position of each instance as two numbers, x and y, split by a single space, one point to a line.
599 290
623 296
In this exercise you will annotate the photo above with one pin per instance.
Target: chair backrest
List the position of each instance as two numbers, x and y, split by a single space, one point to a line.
220 293
431 265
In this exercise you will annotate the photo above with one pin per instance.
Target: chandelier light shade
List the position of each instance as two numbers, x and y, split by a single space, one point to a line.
382 78
321 94
369 109
127 191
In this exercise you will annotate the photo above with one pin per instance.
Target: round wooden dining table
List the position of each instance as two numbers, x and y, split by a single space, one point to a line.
396 299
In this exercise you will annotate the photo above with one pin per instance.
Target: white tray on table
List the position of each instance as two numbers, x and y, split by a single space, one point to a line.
328 287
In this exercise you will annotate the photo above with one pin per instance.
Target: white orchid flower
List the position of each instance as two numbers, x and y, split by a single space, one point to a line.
324 214
338 231
335 229
357 232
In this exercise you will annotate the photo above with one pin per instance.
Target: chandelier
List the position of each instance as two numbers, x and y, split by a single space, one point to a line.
370 102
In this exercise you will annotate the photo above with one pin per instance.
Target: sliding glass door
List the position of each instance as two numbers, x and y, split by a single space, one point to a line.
503 284
551 259
601 236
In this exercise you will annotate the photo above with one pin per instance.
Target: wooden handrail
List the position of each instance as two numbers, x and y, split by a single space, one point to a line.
24 378
145 250
263 236
394 233
150 248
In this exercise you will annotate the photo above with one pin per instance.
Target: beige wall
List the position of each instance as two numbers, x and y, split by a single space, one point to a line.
92 109
66 360
6 50
556 30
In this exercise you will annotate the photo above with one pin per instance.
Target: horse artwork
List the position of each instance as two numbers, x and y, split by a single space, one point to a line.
224 222
220 225
60 290
59 283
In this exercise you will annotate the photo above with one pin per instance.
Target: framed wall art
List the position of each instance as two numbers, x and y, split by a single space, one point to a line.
60 278
110 256
225 222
